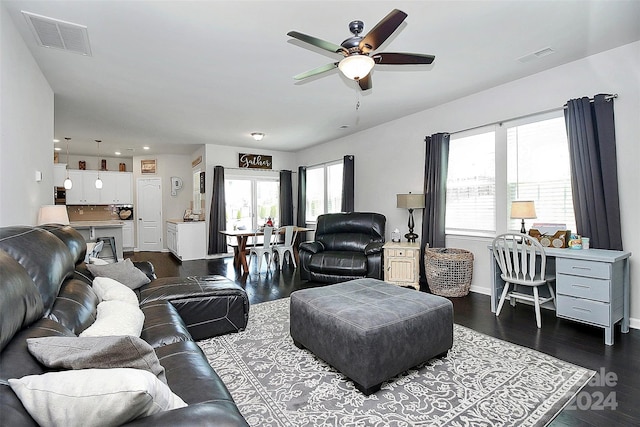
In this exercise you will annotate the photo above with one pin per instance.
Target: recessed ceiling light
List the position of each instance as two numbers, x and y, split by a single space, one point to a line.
117 153
257 136
56 140
145 147
57 149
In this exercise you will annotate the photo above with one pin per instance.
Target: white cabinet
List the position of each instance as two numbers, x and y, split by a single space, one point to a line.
187 240
127 235
402 263
116 188
59 174
84 189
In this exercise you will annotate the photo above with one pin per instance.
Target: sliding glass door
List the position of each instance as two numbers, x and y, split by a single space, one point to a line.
251 201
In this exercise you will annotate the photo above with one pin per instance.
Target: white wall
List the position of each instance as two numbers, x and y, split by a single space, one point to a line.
26 130
390 157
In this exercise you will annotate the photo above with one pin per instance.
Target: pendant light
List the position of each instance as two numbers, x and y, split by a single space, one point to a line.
98 180
67 182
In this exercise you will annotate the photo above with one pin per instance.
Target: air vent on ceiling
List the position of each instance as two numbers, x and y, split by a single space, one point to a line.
57 34
537 54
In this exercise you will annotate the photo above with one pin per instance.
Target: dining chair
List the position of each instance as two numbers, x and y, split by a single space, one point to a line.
281 250
516 254
265 250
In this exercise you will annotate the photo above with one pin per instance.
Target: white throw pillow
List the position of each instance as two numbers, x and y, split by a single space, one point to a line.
97 261
93 397
116 318
111 290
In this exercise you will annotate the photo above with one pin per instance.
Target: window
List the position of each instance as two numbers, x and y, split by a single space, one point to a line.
525 159
471 187
324 190
251 201
538 170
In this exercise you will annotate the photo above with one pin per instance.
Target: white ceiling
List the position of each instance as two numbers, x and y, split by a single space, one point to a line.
174 75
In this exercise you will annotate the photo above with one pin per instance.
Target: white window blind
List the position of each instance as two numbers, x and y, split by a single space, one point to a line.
538 169
471 187
324 190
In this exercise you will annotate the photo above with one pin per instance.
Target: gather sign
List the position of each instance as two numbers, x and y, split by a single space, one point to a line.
254 161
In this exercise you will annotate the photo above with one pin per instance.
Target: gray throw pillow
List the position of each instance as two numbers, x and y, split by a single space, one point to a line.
124 272
96 352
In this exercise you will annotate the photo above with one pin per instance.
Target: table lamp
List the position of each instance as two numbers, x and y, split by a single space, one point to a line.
524 209
53 214
410 202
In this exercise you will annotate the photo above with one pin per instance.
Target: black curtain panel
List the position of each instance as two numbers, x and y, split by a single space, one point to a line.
217 217
594 170
286 198
348 183
436 164
302 197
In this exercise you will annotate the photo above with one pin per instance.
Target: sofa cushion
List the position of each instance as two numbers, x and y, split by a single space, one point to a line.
93 396
116 318
162 324
75 306
96 352
124 272
111 290
339 263
71 238
21 303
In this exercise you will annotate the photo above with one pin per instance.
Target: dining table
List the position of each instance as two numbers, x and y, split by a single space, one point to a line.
242 237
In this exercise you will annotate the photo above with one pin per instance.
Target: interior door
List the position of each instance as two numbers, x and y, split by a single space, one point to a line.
149 214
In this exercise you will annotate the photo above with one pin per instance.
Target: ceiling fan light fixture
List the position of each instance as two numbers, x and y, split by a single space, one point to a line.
257 136
355 67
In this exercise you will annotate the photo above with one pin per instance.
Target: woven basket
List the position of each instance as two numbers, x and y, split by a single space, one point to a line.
449 271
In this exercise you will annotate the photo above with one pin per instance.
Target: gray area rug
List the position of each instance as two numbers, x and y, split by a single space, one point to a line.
483 381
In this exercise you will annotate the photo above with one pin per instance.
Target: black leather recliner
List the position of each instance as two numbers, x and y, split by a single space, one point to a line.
347 246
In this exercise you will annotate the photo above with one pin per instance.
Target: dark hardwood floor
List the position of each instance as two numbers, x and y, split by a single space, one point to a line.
570 341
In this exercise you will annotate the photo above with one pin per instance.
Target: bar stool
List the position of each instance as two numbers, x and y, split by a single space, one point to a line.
109 242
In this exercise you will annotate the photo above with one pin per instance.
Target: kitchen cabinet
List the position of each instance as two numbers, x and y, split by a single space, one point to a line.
127 236
186 240
116 188
83 191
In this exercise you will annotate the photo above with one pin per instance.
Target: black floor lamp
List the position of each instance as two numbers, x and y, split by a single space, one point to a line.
410 201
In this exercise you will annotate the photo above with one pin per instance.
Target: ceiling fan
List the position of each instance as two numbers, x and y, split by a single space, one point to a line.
358 58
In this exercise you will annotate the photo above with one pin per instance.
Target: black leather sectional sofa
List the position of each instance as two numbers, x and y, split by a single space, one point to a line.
46 291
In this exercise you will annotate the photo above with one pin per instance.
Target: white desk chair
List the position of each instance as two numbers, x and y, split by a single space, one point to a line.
265 249
516 256
287 246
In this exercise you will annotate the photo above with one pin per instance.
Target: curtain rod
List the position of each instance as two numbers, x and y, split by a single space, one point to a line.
257 170
607 97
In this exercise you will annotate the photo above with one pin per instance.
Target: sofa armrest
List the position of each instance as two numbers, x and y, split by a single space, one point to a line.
312 247
147 268
373 248
215 414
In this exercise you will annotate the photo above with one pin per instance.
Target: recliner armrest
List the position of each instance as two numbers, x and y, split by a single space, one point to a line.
313 247
373 248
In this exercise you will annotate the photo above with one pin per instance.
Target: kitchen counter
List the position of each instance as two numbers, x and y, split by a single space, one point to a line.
181 221
97 224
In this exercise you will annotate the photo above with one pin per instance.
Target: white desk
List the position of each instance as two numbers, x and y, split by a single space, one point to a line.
592 286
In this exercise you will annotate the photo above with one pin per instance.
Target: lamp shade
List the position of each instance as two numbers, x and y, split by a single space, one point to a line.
410 201
524 209
356 67
53 214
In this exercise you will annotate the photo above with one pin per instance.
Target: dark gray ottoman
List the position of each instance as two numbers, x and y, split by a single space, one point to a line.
371 330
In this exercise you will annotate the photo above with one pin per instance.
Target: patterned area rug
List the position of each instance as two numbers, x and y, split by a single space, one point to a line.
483 381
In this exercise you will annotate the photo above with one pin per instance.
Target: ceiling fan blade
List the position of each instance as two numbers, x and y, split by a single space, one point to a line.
393 58
365 82
382 30
315 71
322 44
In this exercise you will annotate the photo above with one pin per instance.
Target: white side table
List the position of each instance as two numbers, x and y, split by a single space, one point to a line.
402 263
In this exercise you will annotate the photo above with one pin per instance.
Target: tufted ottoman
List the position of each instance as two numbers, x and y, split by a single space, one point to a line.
371 330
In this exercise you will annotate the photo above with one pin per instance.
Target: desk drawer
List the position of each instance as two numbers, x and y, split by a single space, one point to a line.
594 312
579 267
583 287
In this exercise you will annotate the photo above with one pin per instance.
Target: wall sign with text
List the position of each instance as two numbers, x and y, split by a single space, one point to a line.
254 161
